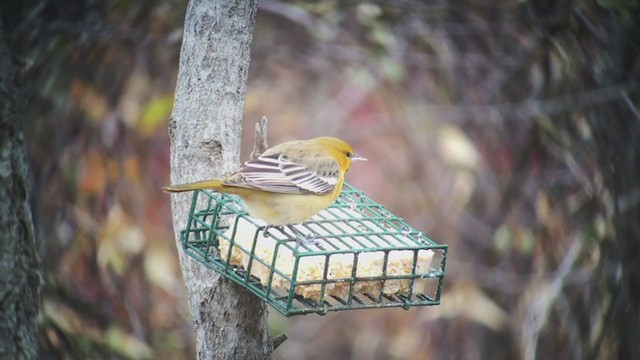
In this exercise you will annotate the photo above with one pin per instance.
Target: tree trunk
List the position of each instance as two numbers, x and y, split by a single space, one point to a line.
205 127
20 277
616 133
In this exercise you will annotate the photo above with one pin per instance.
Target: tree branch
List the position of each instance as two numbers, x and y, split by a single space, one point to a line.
205 126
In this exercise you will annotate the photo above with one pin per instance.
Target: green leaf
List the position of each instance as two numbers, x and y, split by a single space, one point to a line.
155 113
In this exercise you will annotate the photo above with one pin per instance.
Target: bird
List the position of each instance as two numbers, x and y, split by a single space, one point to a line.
288 183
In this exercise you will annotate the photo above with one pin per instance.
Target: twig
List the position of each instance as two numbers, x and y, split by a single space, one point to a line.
538 313
260 144
278 340
631 105
516 111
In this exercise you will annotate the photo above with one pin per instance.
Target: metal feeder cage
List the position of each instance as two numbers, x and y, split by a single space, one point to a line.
357 255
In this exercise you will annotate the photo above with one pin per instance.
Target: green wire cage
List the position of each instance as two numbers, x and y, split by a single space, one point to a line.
360 256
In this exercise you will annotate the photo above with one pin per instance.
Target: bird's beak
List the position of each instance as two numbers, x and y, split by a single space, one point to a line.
358 157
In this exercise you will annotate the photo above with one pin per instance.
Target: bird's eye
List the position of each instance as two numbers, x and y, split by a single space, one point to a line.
348 153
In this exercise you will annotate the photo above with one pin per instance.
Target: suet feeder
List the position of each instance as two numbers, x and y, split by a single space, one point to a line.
360 256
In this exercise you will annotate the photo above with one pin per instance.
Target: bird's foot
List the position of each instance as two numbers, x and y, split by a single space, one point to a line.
265 231
301 238
306 240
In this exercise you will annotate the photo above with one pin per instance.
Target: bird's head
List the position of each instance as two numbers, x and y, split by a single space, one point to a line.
341 151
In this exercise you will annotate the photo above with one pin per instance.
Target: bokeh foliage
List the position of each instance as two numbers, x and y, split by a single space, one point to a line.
507 130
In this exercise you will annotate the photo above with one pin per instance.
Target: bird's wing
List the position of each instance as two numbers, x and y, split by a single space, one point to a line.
281 173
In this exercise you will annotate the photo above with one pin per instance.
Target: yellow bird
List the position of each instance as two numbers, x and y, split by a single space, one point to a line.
288 183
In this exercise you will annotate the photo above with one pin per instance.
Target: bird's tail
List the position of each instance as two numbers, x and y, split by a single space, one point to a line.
215 184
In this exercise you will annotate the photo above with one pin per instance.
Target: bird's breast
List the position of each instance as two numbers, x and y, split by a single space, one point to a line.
285 209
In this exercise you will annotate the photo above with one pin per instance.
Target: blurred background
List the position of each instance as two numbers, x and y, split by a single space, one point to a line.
505 129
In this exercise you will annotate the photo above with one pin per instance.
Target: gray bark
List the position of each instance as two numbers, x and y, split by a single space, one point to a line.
20 277
205 127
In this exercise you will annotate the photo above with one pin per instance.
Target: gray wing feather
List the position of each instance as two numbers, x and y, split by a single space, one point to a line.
280 174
